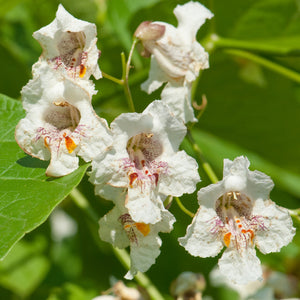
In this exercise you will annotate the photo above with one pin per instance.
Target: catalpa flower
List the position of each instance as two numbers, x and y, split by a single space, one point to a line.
118 228
238 214
176 56
144 160
60 123
69 45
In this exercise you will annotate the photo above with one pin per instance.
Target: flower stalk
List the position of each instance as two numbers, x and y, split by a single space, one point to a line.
183 208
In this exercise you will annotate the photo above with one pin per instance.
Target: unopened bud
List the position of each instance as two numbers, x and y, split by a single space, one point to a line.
149 31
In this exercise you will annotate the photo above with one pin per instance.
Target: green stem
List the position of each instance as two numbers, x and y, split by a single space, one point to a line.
112 78
267 63
80 200
205 165
255 46
183 208
125 75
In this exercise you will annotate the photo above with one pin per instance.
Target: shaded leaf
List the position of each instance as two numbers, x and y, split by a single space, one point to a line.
25 267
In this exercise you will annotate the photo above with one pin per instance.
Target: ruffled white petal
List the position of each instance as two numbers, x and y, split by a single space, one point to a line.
238 177
178 98
240 267
200 240
181 177
144 204
209 195
191 16
156 77
107 169
144 253
61 162
170 130
111 229
278 228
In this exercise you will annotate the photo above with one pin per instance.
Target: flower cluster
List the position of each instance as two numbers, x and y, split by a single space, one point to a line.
60 122
136 162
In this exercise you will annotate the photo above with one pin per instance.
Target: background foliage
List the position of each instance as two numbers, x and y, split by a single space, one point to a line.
253 92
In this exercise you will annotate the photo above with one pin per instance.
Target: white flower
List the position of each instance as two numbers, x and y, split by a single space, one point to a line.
237 213
145 161
118 228
176 57
60 123
69 45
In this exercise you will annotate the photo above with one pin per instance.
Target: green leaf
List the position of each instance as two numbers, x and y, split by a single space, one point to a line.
25 267
267 26
267 18
27 196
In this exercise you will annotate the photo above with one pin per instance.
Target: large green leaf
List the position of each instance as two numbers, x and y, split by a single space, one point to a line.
27 196
268 26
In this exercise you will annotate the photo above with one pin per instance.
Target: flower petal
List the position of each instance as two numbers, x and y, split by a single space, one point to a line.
156 77
238 177
143 205
111 229
170 130
181 176
178 98
143 255
200 240
278 228
240 267
191 16
208 196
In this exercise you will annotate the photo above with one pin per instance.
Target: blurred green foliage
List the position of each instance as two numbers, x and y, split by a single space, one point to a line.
251 111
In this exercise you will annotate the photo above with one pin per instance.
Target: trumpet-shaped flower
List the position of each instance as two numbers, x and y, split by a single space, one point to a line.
69 46
60 123
238 214
118 228
145 161
176 56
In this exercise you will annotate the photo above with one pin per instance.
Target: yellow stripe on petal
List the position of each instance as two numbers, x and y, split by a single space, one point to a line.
70 144
143 228
226 238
